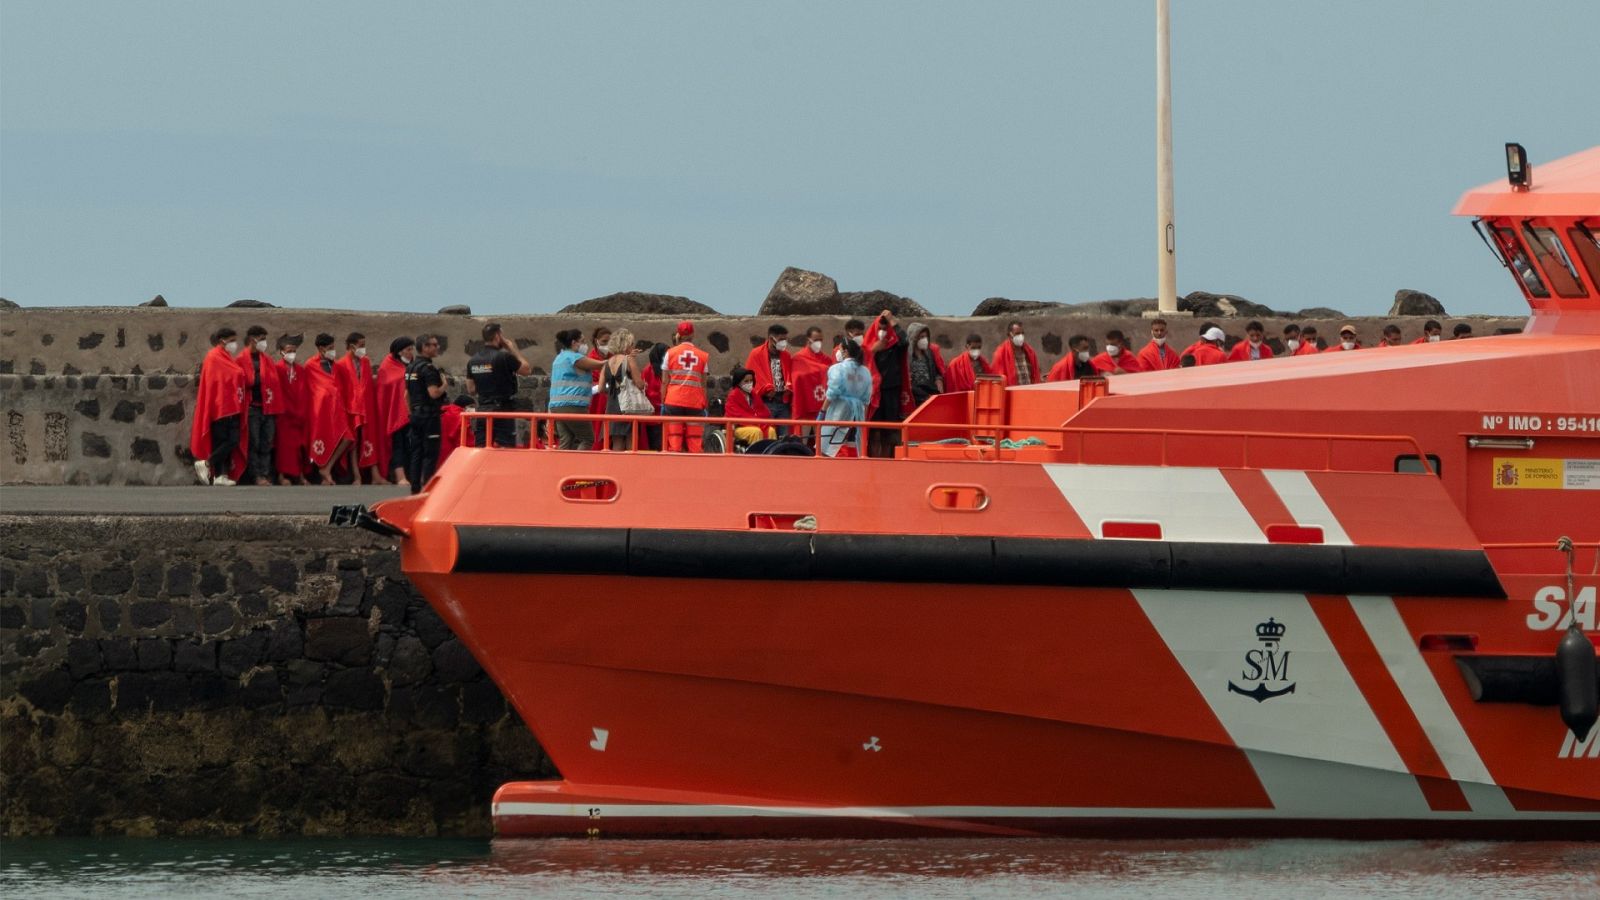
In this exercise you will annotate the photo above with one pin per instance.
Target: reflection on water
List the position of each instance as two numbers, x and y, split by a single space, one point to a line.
925 868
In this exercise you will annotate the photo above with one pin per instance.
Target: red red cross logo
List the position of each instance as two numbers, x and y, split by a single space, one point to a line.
687 359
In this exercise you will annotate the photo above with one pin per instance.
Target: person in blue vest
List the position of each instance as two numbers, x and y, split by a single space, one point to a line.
570 384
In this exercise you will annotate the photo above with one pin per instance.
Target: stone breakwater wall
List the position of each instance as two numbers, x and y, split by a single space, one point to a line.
104 396
236 675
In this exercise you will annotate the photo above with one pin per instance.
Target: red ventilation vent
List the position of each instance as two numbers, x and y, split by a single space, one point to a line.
1144 531
1294 534
1450 643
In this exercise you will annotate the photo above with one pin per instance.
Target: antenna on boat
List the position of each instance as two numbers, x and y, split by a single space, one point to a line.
1166 233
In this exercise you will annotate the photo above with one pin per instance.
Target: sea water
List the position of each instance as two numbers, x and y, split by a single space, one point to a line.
948 867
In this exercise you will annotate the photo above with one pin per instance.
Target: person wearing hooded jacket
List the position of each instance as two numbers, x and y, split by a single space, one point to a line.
925 363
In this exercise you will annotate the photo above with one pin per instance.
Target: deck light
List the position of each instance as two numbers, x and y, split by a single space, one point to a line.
1517 171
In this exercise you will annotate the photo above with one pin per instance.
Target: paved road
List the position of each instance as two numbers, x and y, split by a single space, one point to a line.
163 501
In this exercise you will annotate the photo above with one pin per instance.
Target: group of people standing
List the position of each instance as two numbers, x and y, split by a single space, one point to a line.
263 417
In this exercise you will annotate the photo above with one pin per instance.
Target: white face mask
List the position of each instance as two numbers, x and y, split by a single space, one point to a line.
1083 356
605 348
747 386
581 349
408 356
288 357
361 353
1112 349
1433 338
922 343
1159 341
838 356
1017 339
816 346
880 334
1292 344
1348 345
329 354
783 345
231 347
261 346
858 338
974 353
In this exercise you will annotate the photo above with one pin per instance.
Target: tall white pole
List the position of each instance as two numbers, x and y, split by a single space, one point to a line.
1166 253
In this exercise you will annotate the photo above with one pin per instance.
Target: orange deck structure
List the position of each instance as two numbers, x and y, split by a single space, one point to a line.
1310 595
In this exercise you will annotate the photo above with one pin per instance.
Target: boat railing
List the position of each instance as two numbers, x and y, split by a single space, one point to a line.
990 442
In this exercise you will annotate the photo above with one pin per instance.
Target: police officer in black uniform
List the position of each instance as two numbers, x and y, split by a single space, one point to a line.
425 395
492 375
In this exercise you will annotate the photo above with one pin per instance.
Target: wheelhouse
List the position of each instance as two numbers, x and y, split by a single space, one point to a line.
1542 227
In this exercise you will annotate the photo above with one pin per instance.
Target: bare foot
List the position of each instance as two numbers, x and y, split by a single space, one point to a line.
262 482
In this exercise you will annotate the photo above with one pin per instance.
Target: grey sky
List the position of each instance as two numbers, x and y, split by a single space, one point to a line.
522 156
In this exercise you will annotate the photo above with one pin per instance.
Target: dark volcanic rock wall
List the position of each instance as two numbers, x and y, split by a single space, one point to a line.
236 675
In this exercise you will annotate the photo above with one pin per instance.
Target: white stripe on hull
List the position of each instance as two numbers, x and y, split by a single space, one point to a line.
1190 504
1300 496
1319 751
1400 655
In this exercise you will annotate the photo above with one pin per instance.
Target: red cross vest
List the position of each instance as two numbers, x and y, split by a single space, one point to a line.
684 381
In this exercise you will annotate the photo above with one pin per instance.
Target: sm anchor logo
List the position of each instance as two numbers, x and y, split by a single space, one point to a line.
1266 665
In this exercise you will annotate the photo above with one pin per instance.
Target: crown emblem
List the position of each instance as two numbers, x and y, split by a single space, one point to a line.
1270 631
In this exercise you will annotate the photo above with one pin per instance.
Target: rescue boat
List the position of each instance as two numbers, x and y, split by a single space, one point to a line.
1079 608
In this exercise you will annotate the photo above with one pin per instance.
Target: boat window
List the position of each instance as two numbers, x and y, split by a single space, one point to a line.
1511 248
1410 464
1552 257
1588 247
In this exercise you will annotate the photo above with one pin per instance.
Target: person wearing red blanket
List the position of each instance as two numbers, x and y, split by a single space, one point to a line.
214 435
1015 361
600 350
810 366
887 356
745 406
1116 358
652 392
1308 342
264 402
289 445
1254 345
962 371
393 432
1207 351
354 372
773 367
1156 355
1078 363
327 420
450 426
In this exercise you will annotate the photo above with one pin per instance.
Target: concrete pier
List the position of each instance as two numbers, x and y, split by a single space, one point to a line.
236 674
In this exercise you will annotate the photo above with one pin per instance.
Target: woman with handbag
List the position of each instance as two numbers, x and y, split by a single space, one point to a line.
623 385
